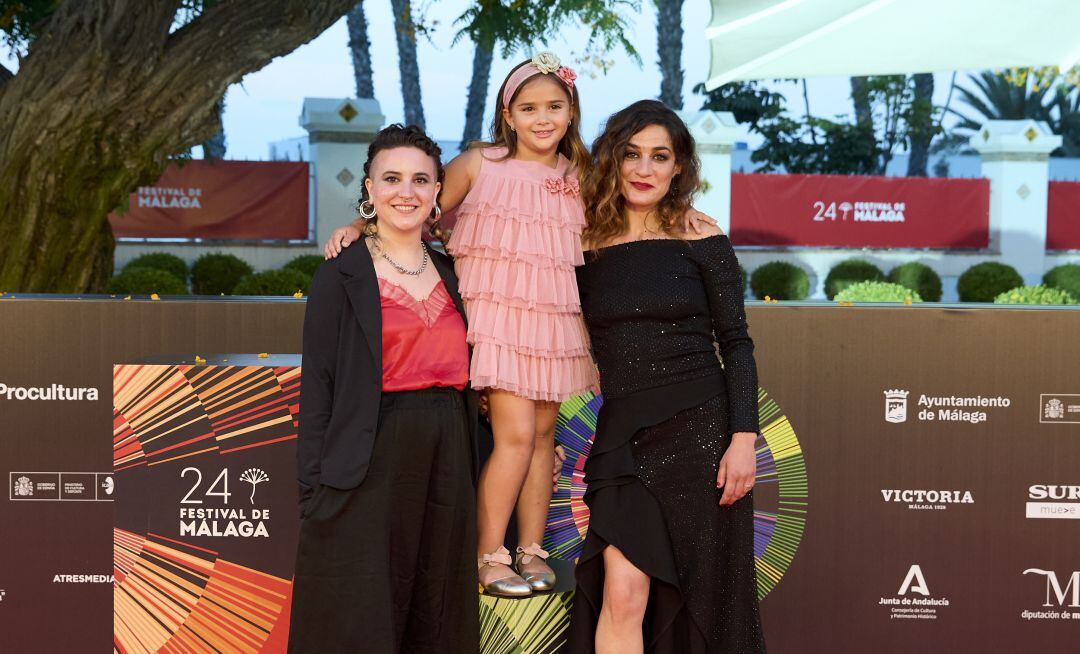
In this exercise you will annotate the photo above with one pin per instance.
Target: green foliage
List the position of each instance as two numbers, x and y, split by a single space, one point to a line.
751 102
996 97
1015 95
274 282
1066 277
145 281
920 278
850 272
780 280
20 20
216 273
305 263
985 281
521 24
814 145
1035 295
170 263
878 292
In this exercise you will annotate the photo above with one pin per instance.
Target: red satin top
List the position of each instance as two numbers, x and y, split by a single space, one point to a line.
423 341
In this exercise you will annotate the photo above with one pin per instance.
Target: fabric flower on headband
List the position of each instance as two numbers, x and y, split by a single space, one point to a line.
567 75
546 62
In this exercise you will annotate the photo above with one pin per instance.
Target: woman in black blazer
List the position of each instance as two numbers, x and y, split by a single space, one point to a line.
386 455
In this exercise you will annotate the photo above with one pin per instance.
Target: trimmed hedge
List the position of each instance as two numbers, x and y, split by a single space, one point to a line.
878 292
850 272
216 273
274 282
780 280
1066 277
305 263
145 281
1035 295
170 263
983 282
920 278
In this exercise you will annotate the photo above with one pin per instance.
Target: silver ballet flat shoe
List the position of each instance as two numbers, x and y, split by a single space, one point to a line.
532 565
508 585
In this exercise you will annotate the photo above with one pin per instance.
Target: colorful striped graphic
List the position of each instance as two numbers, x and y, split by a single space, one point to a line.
181 435
533 626
780 495
167 413
174 597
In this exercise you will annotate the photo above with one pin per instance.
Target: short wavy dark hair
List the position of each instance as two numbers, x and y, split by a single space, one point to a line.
401 136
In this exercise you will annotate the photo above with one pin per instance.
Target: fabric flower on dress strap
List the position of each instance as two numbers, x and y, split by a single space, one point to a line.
567 186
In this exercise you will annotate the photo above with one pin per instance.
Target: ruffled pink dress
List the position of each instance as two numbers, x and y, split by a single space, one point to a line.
515 243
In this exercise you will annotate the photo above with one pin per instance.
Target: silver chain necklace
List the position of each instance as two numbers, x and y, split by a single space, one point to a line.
405 271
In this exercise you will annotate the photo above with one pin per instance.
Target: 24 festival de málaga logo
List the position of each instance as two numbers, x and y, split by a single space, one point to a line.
243 522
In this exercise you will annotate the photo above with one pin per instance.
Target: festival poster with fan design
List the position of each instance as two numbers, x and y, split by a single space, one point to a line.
206 519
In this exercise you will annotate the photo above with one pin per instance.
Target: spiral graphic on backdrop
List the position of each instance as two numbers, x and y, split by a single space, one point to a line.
780 495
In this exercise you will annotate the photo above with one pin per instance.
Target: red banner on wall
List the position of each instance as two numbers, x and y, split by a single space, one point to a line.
1063 216
859 211
249 200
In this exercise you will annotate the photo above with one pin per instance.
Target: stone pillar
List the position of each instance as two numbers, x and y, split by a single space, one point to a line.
339 132
715 133
1015 160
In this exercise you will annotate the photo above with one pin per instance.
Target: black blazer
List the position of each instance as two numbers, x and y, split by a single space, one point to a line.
341 377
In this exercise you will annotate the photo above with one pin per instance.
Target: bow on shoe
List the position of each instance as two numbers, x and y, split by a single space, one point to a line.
531 551
501 555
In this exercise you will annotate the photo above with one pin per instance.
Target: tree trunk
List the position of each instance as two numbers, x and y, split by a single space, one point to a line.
104 98
360 47
407 65
669 38
860 97
214 147
478 87
921 124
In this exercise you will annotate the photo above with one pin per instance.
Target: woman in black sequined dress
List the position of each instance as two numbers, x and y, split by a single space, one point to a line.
668 562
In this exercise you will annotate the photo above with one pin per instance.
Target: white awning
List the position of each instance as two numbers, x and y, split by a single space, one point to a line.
766 39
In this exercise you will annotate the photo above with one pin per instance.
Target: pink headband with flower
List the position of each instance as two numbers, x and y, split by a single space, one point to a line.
542 63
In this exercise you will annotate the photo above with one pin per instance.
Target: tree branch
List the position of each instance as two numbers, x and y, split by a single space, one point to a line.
234 38
5 75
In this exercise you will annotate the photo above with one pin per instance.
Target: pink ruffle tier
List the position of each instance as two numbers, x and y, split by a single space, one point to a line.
516 241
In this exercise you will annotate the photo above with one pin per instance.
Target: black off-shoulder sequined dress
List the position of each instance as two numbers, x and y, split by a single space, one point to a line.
655 310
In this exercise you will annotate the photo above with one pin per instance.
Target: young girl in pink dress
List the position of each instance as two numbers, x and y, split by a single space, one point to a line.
515 244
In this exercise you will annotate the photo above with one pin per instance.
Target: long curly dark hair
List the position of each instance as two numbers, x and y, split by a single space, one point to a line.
398 136
601 186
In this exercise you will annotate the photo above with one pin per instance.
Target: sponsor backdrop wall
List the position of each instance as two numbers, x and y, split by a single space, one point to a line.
917 483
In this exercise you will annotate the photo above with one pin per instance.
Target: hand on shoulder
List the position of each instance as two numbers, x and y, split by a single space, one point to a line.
700 226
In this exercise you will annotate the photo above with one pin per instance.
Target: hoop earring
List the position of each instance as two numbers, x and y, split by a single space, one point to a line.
367 214
436 229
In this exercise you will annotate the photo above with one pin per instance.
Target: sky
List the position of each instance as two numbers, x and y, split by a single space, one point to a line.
265 106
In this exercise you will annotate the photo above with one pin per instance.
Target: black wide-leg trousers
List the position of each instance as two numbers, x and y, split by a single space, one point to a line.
390 566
